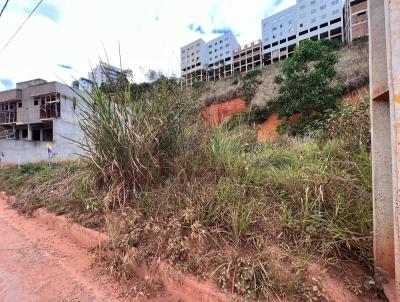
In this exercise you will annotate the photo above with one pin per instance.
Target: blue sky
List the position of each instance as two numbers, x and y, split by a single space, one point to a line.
64 38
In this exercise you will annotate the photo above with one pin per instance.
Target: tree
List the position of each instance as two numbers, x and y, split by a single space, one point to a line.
308 85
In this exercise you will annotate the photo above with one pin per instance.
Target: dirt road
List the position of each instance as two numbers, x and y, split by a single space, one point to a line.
40 264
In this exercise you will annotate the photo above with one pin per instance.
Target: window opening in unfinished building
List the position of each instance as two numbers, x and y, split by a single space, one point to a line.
50 106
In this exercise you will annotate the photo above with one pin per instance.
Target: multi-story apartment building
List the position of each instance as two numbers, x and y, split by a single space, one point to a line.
83 84
35 114
220 56
201 61
307 19
105 73
281 34
356 19
194 61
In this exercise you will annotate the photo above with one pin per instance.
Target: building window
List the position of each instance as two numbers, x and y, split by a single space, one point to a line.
19 104
35 102
323 7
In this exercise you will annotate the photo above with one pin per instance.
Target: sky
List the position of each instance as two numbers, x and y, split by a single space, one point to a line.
64 39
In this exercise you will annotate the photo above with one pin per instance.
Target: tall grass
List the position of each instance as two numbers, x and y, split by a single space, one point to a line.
128 142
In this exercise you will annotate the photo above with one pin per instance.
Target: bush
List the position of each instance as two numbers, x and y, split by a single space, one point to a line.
307 85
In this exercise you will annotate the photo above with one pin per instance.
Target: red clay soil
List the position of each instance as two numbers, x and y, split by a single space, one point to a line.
216 114
38 263
268 129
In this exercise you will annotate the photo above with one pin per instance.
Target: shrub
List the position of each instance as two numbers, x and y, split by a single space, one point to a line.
307 85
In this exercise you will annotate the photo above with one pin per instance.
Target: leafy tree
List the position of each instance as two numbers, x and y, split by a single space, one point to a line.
307 85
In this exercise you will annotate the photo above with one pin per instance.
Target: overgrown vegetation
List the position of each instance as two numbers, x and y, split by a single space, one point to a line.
214 202
63 189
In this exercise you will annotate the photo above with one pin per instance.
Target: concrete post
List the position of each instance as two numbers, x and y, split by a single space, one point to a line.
392 12
385 123
29 132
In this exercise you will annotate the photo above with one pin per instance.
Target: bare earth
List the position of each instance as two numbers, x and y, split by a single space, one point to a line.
39 264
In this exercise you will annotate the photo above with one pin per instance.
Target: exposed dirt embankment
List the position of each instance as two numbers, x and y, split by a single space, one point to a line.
216 114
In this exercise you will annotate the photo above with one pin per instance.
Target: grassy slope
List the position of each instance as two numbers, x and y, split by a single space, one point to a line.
219 205
250 216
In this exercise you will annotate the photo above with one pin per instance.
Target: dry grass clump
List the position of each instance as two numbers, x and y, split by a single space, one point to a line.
268 88
353 66
218 91
63 189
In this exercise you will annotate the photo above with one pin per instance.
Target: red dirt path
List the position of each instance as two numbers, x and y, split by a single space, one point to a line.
40 264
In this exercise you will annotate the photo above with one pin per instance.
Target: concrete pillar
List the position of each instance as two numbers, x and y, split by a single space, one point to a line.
385 122
41 135
29 132
392 14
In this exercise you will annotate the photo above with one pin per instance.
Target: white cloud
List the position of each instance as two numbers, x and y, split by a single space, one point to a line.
76 36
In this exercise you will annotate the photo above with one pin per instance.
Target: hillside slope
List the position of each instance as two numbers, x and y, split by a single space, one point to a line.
353 72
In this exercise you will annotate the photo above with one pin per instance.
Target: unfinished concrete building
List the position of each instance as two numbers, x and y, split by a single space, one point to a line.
356 20
247 57
35 114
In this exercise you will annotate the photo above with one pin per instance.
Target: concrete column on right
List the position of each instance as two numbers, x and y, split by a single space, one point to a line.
385 129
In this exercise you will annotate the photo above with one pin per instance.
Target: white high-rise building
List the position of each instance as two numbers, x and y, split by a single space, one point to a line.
307 19
194 56
202 61
83 85
105 73
220 50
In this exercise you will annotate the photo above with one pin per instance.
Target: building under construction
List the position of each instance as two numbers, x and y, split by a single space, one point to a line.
35 114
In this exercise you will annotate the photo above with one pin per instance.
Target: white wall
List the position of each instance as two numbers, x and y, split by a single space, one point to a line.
34 151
